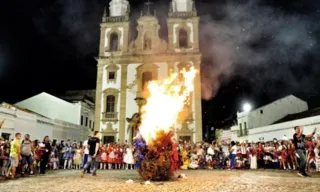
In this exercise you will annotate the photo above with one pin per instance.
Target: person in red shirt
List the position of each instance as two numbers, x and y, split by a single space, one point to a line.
292 154
260 153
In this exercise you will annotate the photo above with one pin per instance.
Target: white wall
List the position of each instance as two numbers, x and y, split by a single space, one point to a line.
118 7
182 5
281 129
106 85
52 107
272 112
86 112
39 127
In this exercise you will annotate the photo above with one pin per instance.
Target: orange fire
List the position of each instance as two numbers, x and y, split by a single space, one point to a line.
166 100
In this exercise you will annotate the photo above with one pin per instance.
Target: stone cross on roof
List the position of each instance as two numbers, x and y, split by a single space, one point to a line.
148 4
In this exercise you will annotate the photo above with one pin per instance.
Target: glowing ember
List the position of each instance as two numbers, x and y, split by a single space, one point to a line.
166 101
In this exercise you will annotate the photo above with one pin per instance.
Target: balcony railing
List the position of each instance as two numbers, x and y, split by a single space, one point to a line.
110 116
182 14
115 19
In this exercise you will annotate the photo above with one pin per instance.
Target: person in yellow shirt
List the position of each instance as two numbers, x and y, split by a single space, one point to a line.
185 159
15 155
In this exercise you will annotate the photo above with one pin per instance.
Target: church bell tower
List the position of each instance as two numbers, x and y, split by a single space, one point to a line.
183 40
111 75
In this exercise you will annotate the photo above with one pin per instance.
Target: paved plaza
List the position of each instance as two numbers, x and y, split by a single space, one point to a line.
198 180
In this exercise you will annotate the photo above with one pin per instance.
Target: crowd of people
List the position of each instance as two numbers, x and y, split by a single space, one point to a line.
18 156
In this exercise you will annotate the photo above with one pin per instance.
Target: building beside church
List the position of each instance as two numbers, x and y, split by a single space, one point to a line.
274 120
125 66
26 121
77 110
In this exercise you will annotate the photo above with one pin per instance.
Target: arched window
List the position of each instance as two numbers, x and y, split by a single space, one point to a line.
147 42
183 38
146 77
114 41
110 108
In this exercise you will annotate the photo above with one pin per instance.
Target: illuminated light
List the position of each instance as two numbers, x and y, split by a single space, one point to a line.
247 107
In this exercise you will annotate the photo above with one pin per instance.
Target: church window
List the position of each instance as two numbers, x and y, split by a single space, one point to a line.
183 38
112 76
114 41
146 77
110 104
147 42
245 128
240 126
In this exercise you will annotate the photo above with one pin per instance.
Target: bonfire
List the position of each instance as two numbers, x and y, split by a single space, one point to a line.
155 148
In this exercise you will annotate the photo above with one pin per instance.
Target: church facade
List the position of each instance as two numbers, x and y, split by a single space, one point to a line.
124 68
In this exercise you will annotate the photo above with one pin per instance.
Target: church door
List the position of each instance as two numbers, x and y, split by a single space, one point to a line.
108 139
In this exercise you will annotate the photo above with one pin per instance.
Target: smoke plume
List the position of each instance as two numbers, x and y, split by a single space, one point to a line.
254 41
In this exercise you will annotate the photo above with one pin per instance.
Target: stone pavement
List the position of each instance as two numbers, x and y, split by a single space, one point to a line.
198 180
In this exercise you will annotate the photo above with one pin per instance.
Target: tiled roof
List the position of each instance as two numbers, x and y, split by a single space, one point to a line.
304 114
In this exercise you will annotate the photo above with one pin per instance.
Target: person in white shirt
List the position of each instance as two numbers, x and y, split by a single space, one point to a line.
233 154
86 154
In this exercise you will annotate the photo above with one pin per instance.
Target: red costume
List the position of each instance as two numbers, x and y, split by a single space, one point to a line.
119 156
260 152
104 155
111 155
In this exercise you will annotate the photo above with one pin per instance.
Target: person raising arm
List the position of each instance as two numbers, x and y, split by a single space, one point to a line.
299 143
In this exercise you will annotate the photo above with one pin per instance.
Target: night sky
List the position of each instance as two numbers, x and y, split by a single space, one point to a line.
253 50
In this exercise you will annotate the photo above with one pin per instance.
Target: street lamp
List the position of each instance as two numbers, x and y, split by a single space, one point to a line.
247 107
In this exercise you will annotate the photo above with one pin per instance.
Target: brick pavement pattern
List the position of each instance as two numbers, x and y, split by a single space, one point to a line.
198 180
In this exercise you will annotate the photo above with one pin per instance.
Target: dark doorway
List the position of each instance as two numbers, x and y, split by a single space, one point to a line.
5 136
185 138
108 139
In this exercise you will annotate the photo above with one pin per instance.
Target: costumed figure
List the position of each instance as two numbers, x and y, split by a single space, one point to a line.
78 157
128 158
104 157
111 156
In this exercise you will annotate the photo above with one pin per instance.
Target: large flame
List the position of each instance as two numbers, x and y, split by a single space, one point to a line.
166 100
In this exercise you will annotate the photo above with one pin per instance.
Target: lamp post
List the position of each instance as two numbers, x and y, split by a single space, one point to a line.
140 102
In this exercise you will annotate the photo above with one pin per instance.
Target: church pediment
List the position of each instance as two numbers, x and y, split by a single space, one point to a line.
148 40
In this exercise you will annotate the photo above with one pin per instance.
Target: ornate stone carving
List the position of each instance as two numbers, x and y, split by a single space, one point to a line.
133 87
148 34
133 125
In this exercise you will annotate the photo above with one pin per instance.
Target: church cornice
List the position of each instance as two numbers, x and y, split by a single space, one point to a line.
117 19
183 14
168 57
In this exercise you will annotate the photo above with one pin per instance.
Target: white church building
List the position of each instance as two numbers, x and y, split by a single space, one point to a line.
126 65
